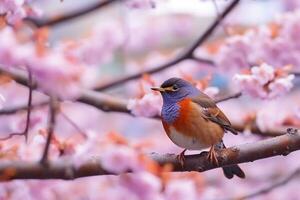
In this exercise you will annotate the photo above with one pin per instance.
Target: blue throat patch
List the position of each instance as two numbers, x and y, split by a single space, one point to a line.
170 112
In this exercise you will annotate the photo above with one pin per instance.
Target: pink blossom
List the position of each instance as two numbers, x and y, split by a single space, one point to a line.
147 106
15 10
98 48
248 84
291 4
30 152
264 83
181 190
277 43
234 53
267 120
54 72
65 68
118 159
54 68
263 73
144 185
139 40
281 85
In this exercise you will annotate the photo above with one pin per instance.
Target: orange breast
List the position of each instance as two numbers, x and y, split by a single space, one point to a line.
191 124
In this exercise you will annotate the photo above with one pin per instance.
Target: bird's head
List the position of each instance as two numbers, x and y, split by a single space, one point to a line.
174 90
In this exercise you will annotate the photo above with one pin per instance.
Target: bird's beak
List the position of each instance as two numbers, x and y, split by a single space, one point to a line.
158 89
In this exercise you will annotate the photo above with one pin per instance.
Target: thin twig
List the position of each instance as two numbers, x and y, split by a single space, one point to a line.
14 110
218 14
271 187
67 118
188 53
234 96
11 135
28 107
72 15
50 129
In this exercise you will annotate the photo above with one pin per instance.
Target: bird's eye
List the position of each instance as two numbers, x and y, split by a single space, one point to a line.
175 87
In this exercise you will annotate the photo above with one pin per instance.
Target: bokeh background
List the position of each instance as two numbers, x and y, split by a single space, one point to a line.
127 38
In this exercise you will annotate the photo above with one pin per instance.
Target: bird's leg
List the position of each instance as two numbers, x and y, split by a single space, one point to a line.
212 156
181 157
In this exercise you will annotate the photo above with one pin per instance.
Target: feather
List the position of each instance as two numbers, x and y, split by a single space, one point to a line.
213 113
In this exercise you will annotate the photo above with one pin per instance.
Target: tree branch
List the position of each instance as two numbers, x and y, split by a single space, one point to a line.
28 108
202 60
188 53
71 15
233 96
73 124
14 110
281 145
50 130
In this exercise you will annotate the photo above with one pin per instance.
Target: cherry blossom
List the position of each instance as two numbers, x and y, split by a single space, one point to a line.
180 190
277 39
118 159
144 185
263 82
126 39
15 10
238 47
147 106
48 69
98 48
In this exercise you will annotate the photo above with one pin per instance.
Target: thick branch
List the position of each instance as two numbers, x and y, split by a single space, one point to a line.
281 145
71 15
104 102
188 53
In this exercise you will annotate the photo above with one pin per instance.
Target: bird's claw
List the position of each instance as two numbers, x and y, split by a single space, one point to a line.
212 156
181 158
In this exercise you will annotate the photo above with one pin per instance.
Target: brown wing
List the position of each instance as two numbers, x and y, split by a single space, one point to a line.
213 113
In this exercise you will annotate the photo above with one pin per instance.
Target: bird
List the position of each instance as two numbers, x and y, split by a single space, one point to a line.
192 121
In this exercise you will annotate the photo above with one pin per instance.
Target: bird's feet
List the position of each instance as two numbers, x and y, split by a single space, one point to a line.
212 156
181 157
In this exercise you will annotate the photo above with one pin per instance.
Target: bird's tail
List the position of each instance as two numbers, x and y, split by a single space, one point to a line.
231 170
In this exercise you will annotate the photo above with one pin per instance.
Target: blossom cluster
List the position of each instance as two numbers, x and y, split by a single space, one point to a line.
97 48
15 10
63 70
265 82
53 71
276 43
